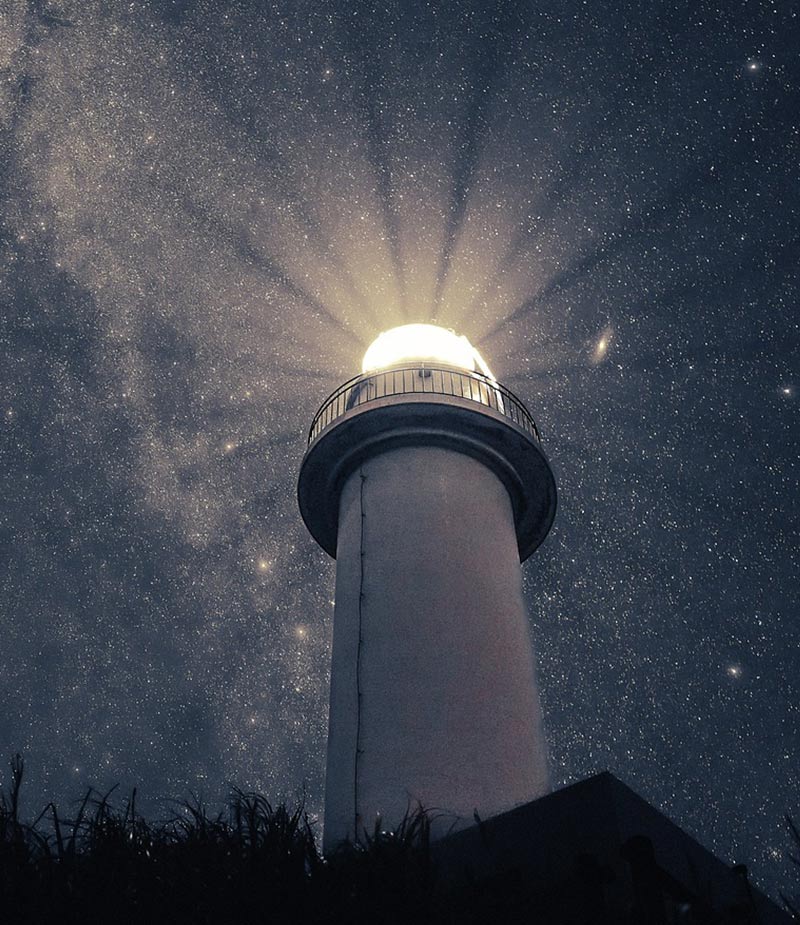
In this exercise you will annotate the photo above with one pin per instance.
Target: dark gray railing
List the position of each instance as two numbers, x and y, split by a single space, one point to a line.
421 379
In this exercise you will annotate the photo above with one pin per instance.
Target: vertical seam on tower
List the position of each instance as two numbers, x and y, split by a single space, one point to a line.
358 652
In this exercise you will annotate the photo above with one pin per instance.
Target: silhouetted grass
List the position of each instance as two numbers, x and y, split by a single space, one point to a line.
253 862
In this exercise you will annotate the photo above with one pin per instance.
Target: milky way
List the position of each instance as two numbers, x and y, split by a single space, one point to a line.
209 211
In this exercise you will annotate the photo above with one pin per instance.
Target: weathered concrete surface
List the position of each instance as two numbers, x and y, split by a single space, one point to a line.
433 692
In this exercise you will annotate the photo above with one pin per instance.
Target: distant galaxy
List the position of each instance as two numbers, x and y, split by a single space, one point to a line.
209 210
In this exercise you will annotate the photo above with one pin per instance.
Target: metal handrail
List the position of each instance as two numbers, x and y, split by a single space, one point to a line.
422 378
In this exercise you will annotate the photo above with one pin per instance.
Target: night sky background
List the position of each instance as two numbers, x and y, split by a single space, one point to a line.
210 210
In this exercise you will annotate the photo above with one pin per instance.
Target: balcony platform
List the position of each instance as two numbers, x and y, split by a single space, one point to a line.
425 406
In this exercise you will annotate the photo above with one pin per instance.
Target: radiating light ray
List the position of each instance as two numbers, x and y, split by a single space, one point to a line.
568 168
378 148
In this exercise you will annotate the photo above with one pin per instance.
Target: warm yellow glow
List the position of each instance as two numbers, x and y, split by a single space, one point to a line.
421 343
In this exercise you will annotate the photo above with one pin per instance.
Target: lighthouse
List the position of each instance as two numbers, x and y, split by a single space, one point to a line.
425 479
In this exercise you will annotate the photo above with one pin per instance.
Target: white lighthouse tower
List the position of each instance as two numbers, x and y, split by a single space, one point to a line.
425 479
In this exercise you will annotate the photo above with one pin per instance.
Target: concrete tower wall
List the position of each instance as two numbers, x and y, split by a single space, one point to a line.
433 692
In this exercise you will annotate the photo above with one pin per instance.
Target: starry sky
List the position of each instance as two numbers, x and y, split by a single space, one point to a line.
209 210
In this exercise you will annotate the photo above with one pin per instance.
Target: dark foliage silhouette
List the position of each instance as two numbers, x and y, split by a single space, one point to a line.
255 862
792 903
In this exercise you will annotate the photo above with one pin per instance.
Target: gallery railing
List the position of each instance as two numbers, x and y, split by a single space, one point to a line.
435 380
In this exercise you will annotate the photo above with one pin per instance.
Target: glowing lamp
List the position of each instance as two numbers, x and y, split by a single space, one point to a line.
419 343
